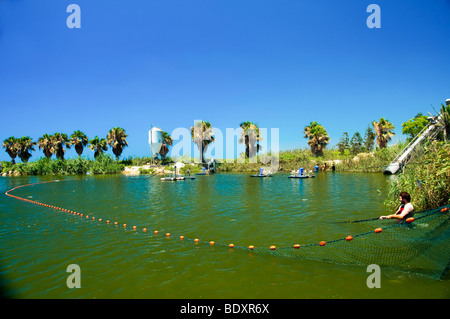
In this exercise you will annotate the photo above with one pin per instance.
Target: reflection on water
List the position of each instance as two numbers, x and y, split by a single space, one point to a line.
38 243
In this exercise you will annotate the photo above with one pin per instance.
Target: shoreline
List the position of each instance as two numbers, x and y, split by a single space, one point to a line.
222 167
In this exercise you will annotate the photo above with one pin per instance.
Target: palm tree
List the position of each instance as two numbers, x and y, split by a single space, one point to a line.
202 136
98 146
116 138
384 131
166 142
46 143
59 141
80 140
250 137
317 138
11 144
25 146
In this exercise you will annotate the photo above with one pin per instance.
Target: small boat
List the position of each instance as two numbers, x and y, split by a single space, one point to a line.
301 176
261 174
179 178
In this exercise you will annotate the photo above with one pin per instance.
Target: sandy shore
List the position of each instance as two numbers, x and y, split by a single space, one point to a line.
134 170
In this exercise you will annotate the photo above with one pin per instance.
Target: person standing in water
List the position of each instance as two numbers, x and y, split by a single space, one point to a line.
405 210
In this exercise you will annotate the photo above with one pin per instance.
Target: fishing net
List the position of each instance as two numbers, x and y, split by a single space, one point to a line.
421 246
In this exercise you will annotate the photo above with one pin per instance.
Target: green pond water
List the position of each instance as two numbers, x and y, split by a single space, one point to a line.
38 243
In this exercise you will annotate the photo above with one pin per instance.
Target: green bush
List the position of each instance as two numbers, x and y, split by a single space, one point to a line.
146 171
104 164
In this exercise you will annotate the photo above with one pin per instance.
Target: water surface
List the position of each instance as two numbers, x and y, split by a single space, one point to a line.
37 243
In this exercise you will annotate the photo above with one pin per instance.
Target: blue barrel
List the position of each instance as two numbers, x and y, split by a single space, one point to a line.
300 171
260 171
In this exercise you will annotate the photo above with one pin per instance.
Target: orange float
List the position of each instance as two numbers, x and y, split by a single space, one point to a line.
296 246
378 230
348 238
322 243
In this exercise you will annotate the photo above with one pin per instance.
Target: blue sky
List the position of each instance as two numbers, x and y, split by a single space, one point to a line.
281 64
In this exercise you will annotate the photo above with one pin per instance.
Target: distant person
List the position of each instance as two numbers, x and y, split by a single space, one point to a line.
324 167
405 210
316 168
333 167
188 172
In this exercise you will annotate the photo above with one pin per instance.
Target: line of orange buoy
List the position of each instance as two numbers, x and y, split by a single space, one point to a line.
168 235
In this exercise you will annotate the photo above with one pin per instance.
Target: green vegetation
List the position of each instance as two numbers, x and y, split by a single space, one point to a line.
345 162
146 171
427 179
194 169
414 126
57 144
103 164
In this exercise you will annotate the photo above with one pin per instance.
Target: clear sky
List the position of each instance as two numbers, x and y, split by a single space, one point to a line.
166 63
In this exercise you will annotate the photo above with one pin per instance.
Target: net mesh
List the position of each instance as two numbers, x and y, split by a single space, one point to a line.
420 247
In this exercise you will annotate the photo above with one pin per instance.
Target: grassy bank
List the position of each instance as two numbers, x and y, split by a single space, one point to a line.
293 159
